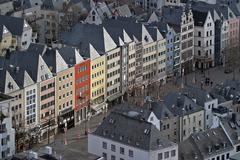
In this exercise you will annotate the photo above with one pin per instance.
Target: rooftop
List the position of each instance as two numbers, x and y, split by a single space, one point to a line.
205 144
132 131
181 104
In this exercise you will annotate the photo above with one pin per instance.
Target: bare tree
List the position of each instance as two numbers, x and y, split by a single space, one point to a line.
232 59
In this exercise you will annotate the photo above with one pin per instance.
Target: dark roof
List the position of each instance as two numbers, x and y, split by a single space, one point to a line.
180 104
68 54
199 17
229 90
131 26
201 96
131 131
18 59
232 127
172 15
205 144
50 59
141 113
81 35
161 110
10 23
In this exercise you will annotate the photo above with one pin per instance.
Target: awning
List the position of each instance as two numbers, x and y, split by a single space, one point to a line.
114 97
98 107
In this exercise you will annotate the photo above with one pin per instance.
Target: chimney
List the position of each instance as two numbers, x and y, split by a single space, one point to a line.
17 69
209 149
234 117
178 101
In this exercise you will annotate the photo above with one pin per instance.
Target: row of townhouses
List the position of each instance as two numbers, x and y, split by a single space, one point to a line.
92 54
190 124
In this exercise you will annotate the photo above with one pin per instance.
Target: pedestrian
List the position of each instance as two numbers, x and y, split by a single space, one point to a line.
201 84
211 83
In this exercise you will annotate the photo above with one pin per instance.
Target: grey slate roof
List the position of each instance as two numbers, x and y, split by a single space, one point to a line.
172 14
68 54
131 131
205 144
161 110
180 104
10 23
141 113
199 17
232 127
201 96
129 24
82 35
229 90
50 59
25 60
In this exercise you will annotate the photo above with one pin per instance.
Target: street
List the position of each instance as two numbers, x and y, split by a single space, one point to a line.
73 144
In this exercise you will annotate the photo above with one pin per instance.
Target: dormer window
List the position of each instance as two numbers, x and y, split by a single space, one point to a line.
146 38
25 25
93 15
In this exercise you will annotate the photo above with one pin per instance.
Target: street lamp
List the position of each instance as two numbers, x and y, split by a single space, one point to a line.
88 118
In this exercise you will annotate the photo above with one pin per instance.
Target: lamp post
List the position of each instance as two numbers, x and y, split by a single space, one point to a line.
87 125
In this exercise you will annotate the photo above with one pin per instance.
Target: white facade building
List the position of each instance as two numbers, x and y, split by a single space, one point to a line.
204 39
122 137
7 133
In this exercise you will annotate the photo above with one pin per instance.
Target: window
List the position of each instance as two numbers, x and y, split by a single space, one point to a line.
227 156
173 153
160 156
223 157
238 148
166 155
104 145
151 118
199 43
104 155
130 153
121 150
113 148
199 34
113 157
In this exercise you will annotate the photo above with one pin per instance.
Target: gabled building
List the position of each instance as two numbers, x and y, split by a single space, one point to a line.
98 13
65 88
204 40
181 19
5 40
206 101
82 80
32 84
22 33
126 137
190 115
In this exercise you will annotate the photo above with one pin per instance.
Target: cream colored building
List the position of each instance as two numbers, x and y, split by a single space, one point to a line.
97 84
64 88
6 40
